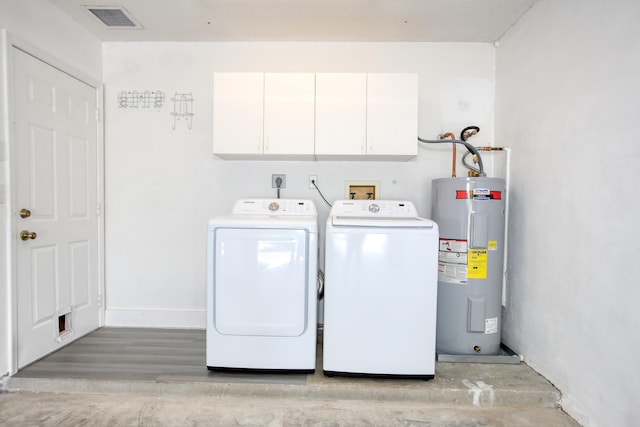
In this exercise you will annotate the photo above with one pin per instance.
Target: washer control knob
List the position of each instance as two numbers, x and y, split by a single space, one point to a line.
273 206
374 208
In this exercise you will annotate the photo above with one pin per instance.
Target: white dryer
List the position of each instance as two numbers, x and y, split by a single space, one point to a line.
261 286
381 281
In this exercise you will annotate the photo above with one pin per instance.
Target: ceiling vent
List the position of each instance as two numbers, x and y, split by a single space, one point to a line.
114 17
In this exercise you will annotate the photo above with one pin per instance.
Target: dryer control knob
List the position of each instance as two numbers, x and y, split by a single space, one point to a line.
273 206
373 208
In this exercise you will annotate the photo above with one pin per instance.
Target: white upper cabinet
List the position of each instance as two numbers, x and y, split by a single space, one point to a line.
333 116
341 115
289 114
366 116
257 115
238 113
392 115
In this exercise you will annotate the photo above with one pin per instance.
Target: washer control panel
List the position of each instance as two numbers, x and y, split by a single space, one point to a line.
374 208
274 207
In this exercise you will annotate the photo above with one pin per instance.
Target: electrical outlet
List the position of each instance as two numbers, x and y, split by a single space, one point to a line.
312 179
274 180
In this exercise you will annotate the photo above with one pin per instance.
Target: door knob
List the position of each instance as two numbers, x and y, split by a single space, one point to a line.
25 213
26 235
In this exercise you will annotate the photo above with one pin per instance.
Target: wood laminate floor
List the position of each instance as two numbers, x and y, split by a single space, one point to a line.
141 354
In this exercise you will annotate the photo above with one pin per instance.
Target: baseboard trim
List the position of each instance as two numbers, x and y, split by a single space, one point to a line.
155 318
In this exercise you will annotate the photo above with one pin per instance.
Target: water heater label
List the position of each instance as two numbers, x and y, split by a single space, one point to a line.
478 263
491 325
452 261
479 194
452 273
453 257
457 263
453 245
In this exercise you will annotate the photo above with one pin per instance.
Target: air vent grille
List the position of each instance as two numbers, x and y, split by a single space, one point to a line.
114 17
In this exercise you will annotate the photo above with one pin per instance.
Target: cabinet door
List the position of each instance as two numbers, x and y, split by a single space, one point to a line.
238 113
289 114
392 115
341 114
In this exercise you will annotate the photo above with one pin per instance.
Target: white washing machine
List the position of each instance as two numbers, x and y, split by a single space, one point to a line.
261 286
381 281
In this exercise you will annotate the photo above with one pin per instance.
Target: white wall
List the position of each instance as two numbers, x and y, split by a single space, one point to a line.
163 185
41 29
568 84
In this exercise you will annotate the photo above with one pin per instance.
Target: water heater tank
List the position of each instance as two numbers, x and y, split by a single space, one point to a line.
470 214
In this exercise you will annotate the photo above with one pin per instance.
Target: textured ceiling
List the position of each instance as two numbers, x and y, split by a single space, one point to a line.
306 20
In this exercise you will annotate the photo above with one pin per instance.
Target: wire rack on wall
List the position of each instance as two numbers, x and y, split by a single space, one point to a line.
146 99
182 108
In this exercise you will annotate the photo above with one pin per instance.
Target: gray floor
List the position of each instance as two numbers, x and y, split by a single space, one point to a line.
158 377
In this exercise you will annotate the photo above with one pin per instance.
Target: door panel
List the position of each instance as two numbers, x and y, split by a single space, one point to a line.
43 262
78 178
56 167
80 273
41 158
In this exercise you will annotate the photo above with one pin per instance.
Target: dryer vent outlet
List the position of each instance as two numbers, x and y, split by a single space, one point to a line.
278 180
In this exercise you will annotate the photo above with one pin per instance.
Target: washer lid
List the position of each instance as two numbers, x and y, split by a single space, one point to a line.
376 213
374 208
386 222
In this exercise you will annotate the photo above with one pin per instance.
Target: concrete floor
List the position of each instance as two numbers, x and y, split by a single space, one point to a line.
461 395
122 377
91 409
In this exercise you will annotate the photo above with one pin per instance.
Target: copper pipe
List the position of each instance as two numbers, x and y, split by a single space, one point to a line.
455 152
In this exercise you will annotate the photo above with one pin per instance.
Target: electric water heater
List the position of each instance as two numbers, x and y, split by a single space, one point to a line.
470 213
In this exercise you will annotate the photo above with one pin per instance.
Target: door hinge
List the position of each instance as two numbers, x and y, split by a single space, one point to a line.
99 300
97 115
98 210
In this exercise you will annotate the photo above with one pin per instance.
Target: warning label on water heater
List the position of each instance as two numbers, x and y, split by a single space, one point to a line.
452 261
457 263
478 263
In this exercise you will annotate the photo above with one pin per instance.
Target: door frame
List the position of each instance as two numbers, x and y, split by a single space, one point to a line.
12 43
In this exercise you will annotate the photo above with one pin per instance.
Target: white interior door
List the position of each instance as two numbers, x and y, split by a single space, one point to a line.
56 166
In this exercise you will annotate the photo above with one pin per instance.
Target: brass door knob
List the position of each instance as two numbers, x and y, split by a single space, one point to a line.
25 213
26 235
